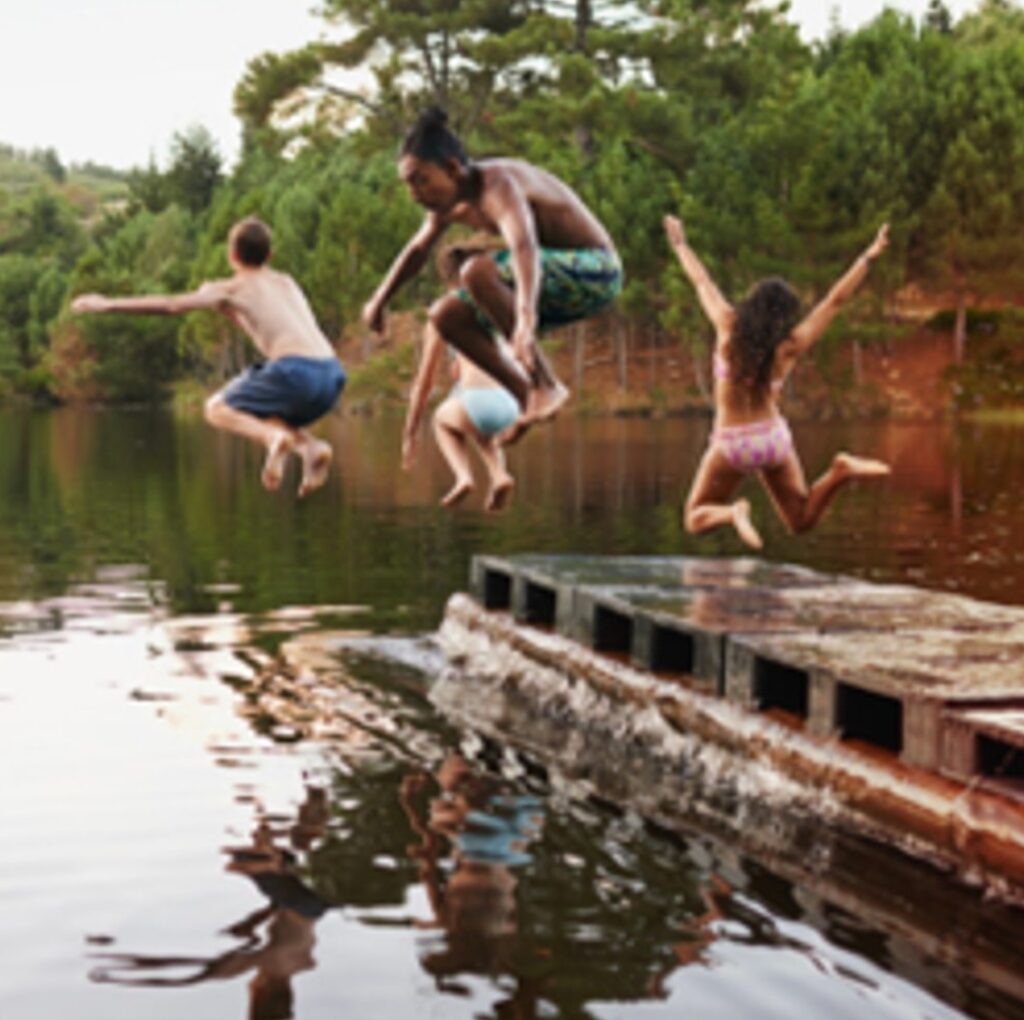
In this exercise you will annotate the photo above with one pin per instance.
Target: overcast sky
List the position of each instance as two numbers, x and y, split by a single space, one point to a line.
112 80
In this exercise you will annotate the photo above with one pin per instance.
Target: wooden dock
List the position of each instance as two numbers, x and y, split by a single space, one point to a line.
934 678
907 705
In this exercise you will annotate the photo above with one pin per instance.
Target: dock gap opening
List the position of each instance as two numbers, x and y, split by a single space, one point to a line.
497 589
779 686
613 632
541 604
999 760
873 718
671 651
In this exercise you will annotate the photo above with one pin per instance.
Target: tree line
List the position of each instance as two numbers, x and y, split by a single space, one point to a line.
781 157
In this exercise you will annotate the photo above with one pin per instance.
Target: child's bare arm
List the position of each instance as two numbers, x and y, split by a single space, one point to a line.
409 261
716 308
819 318
423 384
212 295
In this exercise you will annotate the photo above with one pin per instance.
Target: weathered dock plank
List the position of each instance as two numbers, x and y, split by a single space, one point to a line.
876 665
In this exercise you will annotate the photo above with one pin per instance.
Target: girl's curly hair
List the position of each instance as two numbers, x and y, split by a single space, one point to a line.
764 318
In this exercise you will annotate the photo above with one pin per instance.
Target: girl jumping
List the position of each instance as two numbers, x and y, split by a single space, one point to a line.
757 343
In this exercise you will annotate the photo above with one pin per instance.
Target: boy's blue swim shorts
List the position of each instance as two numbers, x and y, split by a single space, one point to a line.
295 389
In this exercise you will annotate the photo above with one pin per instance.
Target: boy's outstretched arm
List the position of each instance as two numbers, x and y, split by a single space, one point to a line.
212 295
819 318
409 262
716 308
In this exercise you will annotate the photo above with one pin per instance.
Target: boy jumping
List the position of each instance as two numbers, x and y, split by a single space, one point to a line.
301 378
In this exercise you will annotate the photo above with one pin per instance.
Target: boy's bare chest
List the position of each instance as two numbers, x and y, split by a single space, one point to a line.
471 215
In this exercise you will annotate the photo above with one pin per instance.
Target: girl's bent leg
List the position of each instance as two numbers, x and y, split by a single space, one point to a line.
501 482
708 506
451 425
801 508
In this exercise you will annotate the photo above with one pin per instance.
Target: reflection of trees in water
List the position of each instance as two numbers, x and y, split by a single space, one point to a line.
84 487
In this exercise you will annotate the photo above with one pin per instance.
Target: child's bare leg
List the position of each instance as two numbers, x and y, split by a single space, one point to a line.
450 427
501 482
708 506
316 456
458 324
480 276
801 508
272 433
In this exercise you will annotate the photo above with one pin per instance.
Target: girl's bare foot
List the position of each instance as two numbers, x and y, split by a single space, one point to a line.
498 497
542 404
847 466
277 456
744 528
316 463
458 492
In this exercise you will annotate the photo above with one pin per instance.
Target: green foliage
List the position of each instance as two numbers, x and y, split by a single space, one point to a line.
19 276
381 378
781 159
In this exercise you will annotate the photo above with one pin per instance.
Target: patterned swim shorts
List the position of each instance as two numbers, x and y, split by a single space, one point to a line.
575 284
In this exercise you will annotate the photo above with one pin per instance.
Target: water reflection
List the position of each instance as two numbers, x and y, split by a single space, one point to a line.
487 830
85 487
276 941
412 875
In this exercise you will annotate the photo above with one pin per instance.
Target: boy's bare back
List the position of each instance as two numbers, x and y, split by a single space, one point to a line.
271 307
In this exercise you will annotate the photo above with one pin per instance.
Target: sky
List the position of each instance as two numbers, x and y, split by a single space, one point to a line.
112 80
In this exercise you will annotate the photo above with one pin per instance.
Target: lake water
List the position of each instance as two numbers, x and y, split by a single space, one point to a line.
226 794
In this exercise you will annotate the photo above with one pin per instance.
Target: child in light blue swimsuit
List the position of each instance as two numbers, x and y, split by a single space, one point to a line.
477 408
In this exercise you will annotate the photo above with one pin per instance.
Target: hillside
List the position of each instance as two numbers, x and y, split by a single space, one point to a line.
87 186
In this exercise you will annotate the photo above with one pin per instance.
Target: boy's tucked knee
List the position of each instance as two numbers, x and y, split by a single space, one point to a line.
476 272
444 312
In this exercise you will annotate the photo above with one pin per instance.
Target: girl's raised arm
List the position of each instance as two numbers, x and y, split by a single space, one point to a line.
819 318
716 308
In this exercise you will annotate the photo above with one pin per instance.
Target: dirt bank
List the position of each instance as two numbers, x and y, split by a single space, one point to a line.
905 376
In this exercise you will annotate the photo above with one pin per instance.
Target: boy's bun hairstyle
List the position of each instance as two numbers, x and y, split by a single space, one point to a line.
431 139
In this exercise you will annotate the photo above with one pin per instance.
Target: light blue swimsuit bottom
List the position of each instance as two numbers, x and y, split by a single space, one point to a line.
491 409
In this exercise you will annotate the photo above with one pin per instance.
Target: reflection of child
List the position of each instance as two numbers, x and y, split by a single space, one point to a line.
275 956
299 382
757 344
488 831
477 408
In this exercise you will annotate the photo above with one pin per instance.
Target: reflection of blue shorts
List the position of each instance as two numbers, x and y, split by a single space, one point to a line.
491 409
295 389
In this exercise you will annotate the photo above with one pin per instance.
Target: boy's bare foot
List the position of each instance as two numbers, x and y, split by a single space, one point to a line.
498 497
744 528
277 456
458 492
847 466
542 404
316 463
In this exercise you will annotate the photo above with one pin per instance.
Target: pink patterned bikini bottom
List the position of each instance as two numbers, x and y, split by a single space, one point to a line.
754 447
